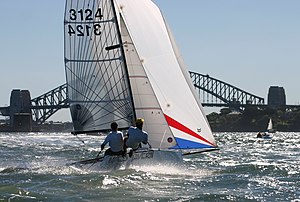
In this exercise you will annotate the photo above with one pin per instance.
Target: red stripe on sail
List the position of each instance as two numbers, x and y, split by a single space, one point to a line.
175 124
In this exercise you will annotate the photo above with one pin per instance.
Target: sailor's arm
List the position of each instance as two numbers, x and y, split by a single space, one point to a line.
104 143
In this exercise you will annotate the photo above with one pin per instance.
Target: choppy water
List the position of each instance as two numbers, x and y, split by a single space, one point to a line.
32 168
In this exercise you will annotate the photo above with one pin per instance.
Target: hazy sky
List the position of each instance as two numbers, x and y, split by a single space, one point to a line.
252 44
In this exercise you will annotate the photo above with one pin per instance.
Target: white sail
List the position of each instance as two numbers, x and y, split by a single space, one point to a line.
270 125
167 75
97 78
145 101
121 63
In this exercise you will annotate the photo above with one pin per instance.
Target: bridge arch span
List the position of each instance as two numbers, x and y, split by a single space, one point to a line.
214 92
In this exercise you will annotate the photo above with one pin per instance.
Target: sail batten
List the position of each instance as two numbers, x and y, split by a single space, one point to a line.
85 61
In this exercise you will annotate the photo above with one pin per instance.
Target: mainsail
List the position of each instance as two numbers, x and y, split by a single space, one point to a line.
96 73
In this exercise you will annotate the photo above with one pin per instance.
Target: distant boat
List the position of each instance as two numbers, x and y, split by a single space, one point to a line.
122 63
266 134
270 128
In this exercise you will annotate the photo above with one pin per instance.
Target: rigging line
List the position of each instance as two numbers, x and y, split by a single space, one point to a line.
117 80
79 47
120 112
125 105
100 108
117 84
117 106
91 69
82 67
78 92
97 96
69 39
89 40
78 63
65 43
86 77
74 87
76 43
96 71
109 55
102 36
109 122
117 113
114 77
75 39
97 53
83 49
104 65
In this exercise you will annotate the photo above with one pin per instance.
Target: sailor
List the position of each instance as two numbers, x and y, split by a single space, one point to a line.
115 140
136 136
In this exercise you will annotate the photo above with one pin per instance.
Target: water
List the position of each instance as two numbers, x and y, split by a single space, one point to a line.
32 168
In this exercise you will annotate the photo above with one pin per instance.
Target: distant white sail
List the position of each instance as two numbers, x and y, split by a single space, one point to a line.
270 125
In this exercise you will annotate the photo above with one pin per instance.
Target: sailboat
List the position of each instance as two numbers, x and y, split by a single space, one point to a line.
270 128
267 134
122 63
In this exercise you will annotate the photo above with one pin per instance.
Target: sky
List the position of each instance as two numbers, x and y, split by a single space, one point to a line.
251 44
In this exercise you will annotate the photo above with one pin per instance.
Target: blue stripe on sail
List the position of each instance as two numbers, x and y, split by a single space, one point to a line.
186 144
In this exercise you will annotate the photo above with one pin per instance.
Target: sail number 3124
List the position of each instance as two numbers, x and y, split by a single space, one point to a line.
86 16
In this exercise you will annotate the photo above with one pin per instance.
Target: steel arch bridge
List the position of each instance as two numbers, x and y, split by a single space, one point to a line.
212 92
216 93
44 106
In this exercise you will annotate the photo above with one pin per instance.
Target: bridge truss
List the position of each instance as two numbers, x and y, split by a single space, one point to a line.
47 104
214 92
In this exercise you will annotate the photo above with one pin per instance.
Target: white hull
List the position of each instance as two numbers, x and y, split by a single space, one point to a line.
142 158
